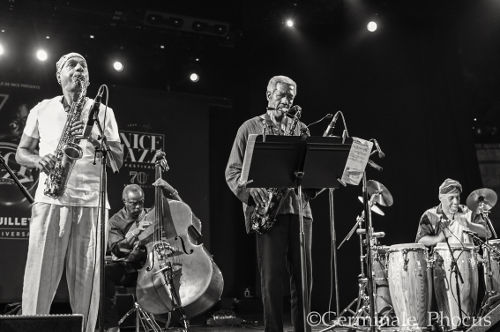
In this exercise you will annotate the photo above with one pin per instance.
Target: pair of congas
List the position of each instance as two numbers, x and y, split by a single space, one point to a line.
411 274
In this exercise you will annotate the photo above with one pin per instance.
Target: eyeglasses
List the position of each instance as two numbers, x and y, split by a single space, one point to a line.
137 203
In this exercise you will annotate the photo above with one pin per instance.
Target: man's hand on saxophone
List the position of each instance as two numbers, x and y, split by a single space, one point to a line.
46 163
259 195
76 127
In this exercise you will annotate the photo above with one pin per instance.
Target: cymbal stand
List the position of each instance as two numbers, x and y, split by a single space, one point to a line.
362 300
369 263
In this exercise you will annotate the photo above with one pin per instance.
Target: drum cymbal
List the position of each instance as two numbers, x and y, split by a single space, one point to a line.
384 197
374 207
481 195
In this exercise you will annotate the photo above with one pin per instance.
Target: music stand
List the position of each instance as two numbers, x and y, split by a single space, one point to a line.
295 162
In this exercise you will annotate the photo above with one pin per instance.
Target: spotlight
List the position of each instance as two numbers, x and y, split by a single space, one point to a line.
194 77
289 23
47 37
2 50
162 46
118 66
41 55
176 22
220 29
371 26
199 26
91 36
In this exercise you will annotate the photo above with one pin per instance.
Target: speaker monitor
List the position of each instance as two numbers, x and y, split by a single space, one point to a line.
39 323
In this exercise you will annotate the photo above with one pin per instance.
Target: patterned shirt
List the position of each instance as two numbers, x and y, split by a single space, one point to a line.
433 221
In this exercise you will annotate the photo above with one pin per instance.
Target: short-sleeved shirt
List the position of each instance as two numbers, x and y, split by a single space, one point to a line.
45 122
430 224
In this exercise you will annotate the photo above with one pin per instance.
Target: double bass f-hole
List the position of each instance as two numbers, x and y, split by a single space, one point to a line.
187 252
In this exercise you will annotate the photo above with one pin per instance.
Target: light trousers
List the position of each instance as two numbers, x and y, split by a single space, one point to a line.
63 236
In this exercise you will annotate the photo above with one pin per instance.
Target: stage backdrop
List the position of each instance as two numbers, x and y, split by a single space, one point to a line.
148 121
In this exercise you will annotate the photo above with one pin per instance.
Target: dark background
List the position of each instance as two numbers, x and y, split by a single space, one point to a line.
425 84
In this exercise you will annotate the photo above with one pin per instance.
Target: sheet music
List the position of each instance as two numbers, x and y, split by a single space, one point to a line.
357 160
247 159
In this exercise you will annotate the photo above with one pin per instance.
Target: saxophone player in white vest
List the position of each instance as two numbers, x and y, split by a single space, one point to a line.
64 230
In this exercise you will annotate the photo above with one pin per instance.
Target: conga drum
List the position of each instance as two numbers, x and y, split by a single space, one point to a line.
445 286
491 265
383 302
409 285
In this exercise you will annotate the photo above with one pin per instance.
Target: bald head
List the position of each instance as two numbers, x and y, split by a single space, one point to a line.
132 189
133 198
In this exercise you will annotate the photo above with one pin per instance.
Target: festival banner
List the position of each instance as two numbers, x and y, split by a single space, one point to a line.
139 149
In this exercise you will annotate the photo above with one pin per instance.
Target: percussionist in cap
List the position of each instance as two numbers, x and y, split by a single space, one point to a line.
449 219
64 229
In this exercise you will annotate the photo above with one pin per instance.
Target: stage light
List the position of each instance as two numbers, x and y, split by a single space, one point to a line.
199 26
290 23
194 77
118 66
42 55
2 49
91 36
162 46
371 26
47 37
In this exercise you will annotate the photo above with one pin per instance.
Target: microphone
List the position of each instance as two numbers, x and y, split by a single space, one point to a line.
93 114
331 125
374 165
294 111
381 154
466 231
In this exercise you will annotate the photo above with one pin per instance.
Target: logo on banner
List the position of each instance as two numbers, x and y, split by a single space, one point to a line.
139 155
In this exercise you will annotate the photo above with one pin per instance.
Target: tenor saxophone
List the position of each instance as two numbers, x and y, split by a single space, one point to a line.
68 151
262 219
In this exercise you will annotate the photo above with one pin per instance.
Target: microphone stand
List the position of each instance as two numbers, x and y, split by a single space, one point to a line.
369 263
491 295
16 180
458 275
334 248
484 215
105 150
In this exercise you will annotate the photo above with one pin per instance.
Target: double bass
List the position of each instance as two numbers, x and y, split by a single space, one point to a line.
179 272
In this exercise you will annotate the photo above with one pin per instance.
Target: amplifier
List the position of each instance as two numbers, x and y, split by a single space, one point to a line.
39 323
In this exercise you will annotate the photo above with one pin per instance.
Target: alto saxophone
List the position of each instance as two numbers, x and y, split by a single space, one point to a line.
263 218
68 151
